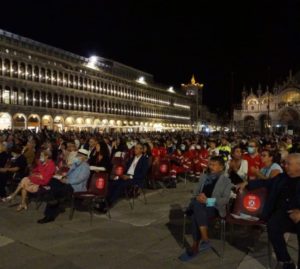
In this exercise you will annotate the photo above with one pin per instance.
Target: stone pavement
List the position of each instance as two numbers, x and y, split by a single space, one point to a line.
147 237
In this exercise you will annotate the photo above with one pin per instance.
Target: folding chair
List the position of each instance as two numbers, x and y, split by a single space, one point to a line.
97 192
160 172
248 203
132 192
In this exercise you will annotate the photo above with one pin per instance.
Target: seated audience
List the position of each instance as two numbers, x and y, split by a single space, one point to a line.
75 181
237 168
215 185
282 208
4 158
39 176
271 168
136 172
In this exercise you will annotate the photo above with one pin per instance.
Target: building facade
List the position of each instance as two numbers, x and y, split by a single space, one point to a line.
274 110
42 86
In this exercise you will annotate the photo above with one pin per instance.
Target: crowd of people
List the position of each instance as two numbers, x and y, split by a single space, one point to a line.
61 162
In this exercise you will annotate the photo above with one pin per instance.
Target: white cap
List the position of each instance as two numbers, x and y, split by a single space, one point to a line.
83 152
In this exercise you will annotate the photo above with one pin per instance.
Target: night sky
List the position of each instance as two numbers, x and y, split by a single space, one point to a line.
251 41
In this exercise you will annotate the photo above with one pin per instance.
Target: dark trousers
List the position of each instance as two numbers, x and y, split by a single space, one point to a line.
116 189
57 193
3 182
200 217
278 224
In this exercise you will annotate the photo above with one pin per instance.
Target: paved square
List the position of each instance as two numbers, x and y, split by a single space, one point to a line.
149 236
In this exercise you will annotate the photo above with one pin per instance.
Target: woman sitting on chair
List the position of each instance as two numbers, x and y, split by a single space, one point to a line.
210 199
40 176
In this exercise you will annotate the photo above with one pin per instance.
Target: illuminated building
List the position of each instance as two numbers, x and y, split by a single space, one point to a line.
42 86
277 109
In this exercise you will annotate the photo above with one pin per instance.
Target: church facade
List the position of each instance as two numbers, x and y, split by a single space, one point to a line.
271 110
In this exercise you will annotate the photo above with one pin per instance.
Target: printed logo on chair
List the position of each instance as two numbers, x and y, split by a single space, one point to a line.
251 202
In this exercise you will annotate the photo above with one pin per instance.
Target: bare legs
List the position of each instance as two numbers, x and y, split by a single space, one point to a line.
20 188
204 237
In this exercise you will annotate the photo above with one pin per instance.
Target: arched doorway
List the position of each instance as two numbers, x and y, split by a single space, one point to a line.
79 123
290 119
265 123
5 121
69 123
58 123
249 124
19 121
33 122
47 122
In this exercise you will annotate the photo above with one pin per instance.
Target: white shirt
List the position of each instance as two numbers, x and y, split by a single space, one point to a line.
243 170
133 165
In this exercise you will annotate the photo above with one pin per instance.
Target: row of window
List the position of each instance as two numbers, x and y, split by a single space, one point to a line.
38 74
28 97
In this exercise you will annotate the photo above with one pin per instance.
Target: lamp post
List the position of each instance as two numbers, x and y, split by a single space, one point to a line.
192 89
268 112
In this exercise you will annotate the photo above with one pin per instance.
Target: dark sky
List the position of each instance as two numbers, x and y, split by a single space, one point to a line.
256 41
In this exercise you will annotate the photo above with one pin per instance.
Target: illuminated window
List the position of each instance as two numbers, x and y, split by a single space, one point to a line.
5 97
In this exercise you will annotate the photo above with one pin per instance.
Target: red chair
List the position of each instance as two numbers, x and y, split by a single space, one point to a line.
119 158
249 203
97 192
117 171
160 171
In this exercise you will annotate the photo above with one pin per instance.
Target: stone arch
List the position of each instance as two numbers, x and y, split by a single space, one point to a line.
59 123
290 118
79 120
19 121
97 122
69 121
252 103
89 121
47 122
290 95
33 121
265 122
249 124
5 121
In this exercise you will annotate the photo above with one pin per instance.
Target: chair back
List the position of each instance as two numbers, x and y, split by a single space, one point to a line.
119 158
250 202
99 184
117 170
164 167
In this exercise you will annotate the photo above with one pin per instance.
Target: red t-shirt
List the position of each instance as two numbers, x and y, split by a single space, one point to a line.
253 162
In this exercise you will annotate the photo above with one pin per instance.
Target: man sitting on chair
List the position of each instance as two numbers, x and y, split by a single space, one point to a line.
282 207
136 172
211 196
75 181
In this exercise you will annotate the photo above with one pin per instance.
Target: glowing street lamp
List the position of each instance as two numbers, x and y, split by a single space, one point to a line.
141 80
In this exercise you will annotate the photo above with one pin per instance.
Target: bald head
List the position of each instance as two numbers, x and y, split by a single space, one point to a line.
292 165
